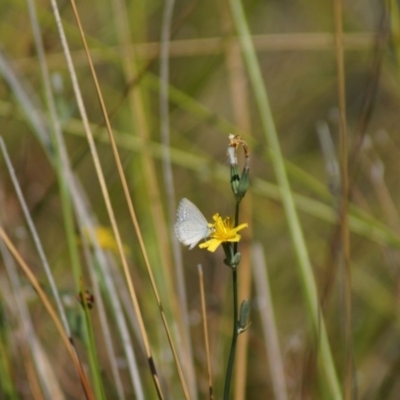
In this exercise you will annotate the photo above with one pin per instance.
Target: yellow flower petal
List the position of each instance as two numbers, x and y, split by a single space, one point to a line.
222 231
210 245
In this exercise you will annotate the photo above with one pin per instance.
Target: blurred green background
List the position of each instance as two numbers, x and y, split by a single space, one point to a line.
210 96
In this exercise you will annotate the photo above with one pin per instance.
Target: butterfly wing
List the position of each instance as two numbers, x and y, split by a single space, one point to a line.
191 225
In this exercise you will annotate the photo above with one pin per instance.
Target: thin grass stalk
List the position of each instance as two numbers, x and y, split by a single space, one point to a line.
39 128
305 269
48 370
197 163
106 275
244 292
67 211
94 364
230 252
104 189
7 385
349 390
240 106
133 215
360 222
332 168
275 42
76 196
52 313
105 325
134 219
21 335
394 12
31 375
63 157
164 272
186 348
35 237
27 99
29 104
37 382
388 204
232 351
205 329
370 96
56 160
136 101
142 129
268 322
91 345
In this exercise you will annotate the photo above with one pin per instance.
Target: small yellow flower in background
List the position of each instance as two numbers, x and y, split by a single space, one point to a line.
222 230
106 239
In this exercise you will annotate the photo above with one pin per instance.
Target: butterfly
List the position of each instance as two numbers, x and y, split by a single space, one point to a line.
191 226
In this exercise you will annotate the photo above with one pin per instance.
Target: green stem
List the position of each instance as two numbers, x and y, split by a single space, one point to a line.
231 360
304 263
235 245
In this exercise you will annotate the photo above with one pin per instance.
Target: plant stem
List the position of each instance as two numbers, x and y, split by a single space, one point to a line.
304 264
235 245
229 370
231 360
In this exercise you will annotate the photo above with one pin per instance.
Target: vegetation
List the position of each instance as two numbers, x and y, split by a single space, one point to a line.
112 112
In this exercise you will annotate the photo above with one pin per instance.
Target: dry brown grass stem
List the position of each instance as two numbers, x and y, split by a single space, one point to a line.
136 225
267 316
205 328
52 313
137 110
101 177
343 216
210 46
238 86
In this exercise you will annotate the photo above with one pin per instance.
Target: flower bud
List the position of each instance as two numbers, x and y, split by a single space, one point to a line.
239 183
244 312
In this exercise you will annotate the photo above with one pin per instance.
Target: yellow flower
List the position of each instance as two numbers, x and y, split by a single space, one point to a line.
222 230
106 239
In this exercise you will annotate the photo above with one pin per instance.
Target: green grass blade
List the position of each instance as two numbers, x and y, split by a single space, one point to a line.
304 265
